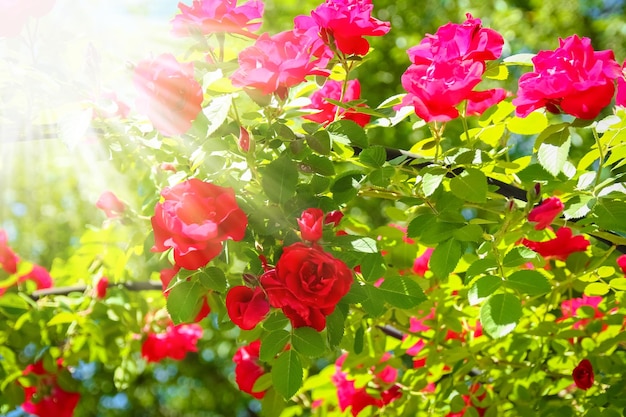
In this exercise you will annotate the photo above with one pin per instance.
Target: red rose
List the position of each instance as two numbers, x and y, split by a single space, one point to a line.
621 262
420 265
583 375
110 204
343 23
8 258
46 398
546 212
101 287
311 223
307 284
194 218
573 79
246 306
561 246
218 16
328 111
248 368
174 343
169 94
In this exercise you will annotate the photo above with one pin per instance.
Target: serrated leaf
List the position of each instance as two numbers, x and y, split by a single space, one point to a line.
470 185
431 179
518 256
519 59
373 156
308 341
280 179
578 206
481 266
372 266
445 258
272 404
469 233
185 301
483 288
287 374
373 304
417 226
402 292
529 282
500 314
275 321
213 278
610 215
335 327
364 245
321 165
351 131
553 152
217 111
272 344
319 142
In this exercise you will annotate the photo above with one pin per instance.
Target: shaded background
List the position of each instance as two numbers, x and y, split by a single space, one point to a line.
50 177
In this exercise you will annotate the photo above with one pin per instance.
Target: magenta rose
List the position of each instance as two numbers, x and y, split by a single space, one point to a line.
246 306
248 368
546 212
343 23
447 66
276 63
218 16
194 218
8 258
307 284
168 93
328 111
572 79
311 223
621 262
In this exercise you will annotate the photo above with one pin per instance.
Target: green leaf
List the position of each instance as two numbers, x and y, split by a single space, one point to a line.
272 404
335 327
529 282
579 206
519 59
319 142
275 321
483 288
470 185
280 179
308 341
402 292
500 314
445 258
364 245
217 111
618 284
597 288
372 266
185 300
611 215
64 317
519 256
213 278
320 164
553 152
373 156
431 179
350 131
287 374
13 305
417 226
469 233
532 124
272 343
481 266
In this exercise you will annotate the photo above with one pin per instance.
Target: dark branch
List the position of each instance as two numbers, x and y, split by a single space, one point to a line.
131 286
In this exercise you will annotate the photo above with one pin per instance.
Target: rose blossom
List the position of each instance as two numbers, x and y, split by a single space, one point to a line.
110 204
546 212
573 79
583 375
311 223
307 284
621 262
8 258
248 368
46 398
420 265
560 247
174 343
246 306
569 308
218 16
447 66
275 63
194 218
102 287
38 274
328 111
168 93
15 13
343 23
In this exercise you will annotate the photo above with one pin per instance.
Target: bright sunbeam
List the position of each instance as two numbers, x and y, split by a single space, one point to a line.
58 68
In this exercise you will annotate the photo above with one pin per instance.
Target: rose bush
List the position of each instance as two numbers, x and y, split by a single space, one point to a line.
476 272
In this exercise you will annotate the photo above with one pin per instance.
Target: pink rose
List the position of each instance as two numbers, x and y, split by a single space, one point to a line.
276 63
218 16
569 309
174 343
194 218
110 204
446 68
573 79
328 111
420 266
248 368
311 223
307 284
621 262
15 13
8 258
246 307
560 247
168 94
546 212
343 23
